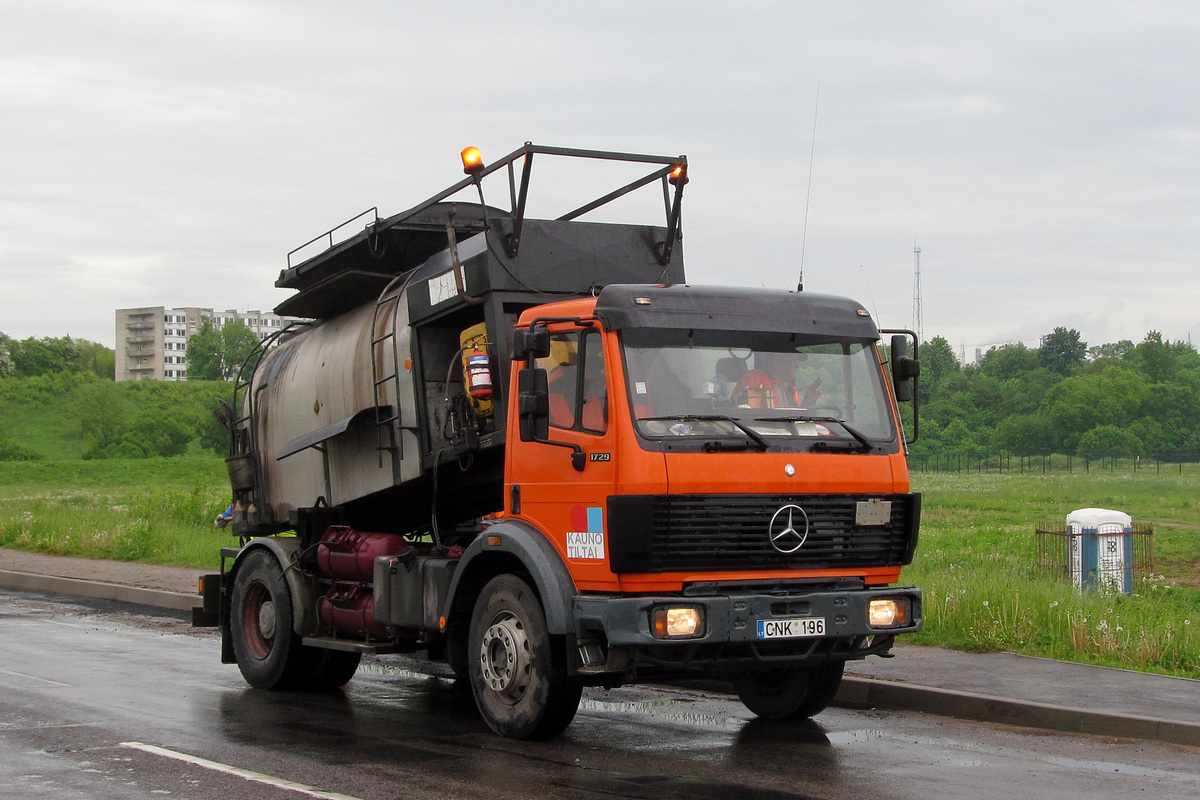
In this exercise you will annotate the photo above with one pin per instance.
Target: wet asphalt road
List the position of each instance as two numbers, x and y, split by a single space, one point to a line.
104 704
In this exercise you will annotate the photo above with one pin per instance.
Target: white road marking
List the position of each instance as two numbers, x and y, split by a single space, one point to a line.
238 771
33 677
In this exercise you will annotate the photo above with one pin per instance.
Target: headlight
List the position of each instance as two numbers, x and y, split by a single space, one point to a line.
677 623
889 612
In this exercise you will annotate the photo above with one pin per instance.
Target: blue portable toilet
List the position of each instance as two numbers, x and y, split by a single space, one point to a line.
1101 549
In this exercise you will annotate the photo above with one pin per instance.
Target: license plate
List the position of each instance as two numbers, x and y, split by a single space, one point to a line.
791 628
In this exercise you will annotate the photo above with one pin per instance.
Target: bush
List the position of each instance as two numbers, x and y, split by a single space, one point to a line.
11 451
145 419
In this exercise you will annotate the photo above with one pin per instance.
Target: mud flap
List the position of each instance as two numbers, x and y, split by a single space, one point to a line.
208 615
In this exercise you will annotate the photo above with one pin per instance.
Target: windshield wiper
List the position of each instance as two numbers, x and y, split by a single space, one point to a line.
857 434
741 426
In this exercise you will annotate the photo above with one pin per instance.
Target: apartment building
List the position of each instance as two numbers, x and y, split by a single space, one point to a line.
152 341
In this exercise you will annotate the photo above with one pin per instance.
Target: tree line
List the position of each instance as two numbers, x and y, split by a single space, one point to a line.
1119 399
1112 400
25 358
213 354
58 398
81 415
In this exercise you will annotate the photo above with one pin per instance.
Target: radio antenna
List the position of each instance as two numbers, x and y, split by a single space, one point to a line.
808 194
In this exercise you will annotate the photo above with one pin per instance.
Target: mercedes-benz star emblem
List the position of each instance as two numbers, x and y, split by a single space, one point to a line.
783 532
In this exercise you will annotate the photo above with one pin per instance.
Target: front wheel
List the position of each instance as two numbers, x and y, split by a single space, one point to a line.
517 672
782 694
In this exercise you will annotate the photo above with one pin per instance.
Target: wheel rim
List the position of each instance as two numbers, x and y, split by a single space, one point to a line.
505 658
258 620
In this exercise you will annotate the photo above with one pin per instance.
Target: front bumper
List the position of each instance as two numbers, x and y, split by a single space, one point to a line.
619 631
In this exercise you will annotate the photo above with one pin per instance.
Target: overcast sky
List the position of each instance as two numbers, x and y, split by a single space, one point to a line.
1045 156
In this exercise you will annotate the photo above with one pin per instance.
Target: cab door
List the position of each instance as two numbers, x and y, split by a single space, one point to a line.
545 488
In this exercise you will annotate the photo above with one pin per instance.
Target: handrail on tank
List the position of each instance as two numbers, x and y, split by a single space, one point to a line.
329 233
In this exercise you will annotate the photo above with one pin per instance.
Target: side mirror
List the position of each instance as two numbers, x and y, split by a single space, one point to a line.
224 413
531 343
904 369
533 399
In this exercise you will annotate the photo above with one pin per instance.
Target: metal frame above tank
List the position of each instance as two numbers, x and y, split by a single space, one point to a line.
345 273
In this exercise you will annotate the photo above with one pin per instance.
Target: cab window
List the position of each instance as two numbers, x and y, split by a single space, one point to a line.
575 376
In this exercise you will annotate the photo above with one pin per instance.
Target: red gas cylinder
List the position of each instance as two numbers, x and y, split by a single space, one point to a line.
349 555
349 609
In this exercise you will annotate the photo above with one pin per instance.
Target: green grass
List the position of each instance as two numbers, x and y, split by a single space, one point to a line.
44 426
977 564
157 511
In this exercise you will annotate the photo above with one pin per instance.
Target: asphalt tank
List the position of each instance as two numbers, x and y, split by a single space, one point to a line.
366 409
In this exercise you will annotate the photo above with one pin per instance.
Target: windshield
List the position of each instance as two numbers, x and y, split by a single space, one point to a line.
755 386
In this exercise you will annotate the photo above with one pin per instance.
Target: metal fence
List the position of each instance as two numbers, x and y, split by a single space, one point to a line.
982 461
1063 553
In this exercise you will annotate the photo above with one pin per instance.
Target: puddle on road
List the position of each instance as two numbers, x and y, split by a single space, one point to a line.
964 753
673 708
385 669
669 709
953 753
856 737
1120 769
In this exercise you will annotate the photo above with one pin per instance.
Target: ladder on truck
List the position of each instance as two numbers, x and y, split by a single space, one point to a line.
387 415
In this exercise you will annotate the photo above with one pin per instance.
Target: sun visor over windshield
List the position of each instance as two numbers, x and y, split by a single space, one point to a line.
731 308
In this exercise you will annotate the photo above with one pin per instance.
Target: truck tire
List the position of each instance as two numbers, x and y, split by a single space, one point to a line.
267 650
333 669
517 672
783 694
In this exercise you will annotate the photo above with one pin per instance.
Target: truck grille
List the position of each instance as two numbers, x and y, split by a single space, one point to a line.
708 533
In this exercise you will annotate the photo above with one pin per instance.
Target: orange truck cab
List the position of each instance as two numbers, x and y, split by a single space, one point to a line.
705 531
531 449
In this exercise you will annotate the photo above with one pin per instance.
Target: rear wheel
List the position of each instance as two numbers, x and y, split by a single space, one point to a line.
268 652
790 693
333 669
517 671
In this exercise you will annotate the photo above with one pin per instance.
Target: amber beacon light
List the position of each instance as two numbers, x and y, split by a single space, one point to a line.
472 160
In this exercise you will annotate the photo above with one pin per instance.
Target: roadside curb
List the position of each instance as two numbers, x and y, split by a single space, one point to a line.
862 693
74 587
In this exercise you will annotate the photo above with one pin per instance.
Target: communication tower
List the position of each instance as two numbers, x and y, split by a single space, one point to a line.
917 326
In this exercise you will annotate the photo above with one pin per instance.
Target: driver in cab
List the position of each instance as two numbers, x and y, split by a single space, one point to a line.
772 384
